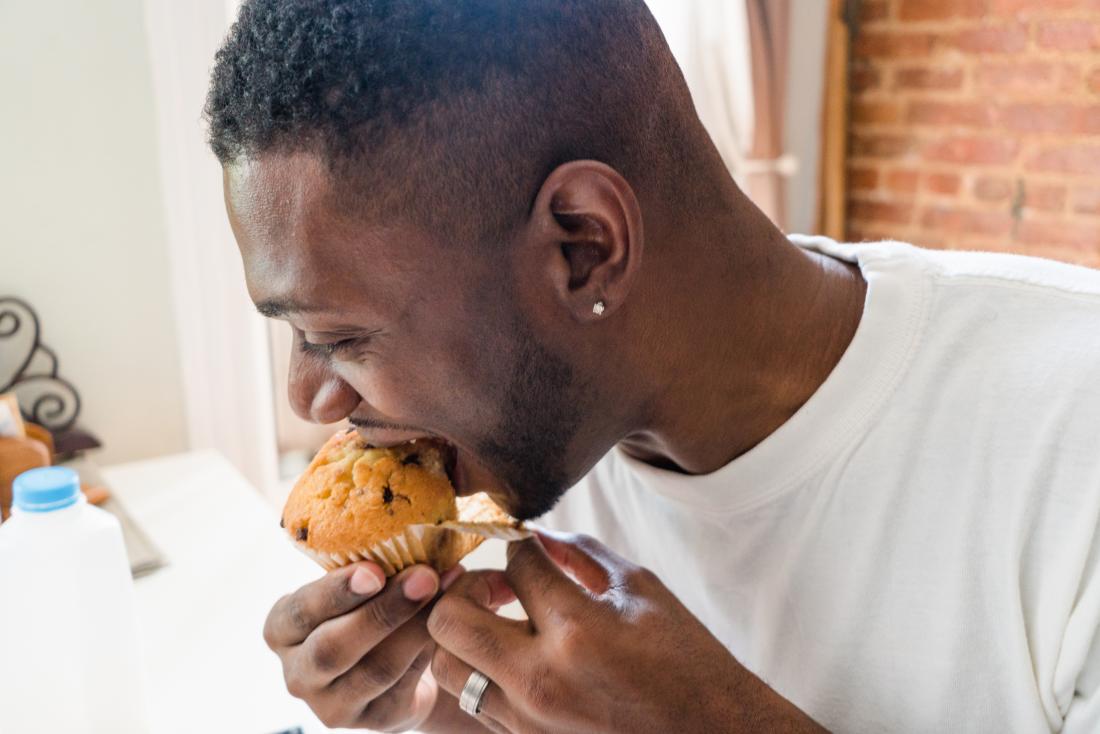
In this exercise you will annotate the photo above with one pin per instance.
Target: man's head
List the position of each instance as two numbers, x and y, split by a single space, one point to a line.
435 193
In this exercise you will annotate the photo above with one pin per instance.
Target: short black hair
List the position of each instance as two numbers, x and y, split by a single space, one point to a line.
444 109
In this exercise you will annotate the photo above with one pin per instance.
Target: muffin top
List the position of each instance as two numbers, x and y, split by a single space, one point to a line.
353 495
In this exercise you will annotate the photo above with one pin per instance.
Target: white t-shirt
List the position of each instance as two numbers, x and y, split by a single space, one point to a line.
917 548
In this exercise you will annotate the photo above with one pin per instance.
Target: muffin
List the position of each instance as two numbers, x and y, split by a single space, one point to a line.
394 506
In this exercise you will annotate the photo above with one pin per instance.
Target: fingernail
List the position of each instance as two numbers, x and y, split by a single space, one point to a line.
420 584
363 582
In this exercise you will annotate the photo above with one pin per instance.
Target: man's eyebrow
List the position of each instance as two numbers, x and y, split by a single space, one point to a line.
274 308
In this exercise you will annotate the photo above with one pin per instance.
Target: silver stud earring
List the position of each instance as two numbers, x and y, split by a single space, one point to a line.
598 307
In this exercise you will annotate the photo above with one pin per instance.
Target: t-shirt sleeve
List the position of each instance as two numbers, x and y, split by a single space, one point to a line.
1083 713
1079 659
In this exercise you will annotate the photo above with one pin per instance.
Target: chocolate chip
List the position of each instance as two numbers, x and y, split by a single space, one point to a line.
387 494
413 459
302 534
282 523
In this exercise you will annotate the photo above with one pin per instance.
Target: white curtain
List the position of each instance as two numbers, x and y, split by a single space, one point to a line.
734 56
223 342
711 43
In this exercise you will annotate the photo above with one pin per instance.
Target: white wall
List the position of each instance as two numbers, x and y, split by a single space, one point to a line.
81 225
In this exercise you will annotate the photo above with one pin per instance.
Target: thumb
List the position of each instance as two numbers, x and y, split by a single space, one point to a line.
590 562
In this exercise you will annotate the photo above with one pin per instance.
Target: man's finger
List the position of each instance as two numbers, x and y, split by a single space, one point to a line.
336 644
390 670
462 622
488 588
357 659
586 559
451 673
296 615
401 693
405 702
544 591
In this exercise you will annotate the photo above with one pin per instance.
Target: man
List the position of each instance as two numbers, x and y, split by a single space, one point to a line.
865 479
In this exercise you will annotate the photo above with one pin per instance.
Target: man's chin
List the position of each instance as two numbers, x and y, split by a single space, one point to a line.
522 506
522 498
530 505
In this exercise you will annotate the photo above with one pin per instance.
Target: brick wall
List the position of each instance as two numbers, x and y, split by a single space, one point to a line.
975 124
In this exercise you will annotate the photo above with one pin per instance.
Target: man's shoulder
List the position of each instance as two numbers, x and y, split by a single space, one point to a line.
1021 326
1003 308
1023 274
1012 271
993 322
996 309
1008 343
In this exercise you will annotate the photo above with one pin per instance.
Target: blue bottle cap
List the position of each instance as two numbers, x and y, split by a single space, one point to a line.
46 489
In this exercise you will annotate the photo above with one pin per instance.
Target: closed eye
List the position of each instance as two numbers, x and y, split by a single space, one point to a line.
328 350
339 348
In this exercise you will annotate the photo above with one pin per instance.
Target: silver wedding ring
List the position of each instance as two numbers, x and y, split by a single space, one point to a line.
472 693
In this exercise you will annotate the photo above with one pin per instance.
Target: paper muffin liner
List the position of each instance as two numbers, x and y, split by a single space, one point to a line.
478 515
440 545
500 530
417 544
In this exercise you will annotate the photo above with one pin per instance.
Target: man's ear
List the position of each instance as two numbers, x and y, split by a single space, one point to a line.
587 227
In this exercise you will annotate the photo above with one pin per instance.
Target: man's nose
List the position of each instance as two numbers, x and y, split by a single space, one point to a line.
318 394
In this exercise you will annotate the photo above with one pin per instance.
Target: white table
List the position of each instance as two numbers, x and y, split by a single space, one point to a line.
202 616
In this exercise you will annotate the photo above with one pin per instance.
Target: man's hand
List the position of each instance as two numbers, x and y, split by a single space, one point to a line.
612 651
355 647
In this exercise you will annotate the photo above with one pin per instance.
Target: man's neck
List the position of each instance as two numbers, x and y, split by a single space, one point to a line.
756 341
